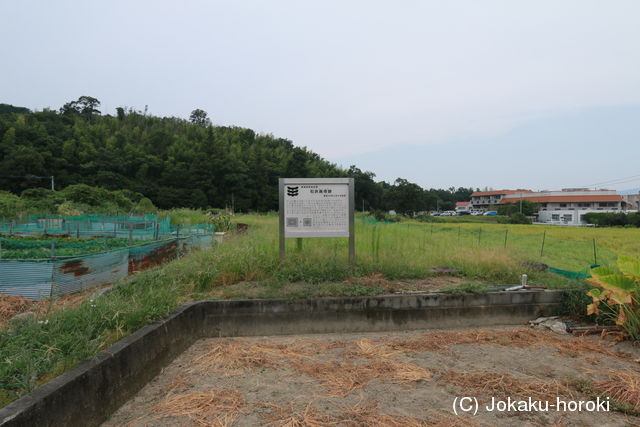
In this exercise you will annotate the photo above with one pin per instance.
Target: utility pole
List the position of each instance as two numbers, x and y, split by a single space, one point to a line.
233 204
53 188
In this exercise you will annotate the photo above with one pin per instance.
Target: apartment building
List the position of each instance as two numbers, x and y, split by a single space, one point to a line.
483 200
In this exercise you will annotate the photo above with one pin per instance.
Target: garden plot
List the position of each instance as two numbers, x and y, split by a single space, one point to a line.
400 378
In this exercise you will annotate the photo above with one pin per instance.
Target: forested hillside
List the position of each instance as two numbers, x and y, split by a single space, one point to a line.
176 162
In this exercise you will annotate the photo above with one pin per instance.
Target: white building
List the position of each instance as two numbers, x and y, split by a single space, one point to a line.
483 200
463 208
568 207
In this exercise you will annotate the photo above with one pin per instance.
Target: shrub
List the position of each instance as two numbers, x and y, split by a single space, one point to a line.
518 218
384 216
10 205
619 290
613 219
514 218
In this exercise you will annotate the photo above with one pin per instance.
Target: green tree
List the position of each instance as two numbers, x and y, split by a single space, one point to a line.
199 118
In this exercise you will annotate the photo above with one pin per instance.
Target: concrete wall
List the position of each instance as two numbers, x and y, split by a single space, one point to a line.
89 393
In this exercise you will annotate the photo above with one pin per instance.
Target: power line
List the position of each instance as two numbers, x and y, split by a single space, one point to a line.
617 181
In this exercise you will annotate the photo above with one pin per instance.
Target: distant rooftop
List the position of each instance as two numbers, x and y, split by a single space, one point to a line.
499 192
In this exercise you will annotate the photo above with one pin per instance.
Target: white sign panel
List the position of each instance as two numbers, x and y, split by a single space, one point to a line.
316 209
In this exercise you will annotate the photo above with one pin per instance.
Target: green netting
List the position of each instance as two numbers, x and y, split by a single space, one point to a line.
31 248
583 274
145 227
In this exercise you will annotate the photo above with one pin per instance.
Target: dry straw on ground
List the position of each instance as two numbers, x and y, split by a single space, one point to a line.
11 305
438 341
178 383
503 385
286 416
236 356
367 415
232 357
341 378
622 386
211 408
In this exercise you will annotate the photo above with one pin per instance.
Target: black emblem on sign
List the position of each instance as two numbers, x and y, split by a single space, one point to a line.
292 191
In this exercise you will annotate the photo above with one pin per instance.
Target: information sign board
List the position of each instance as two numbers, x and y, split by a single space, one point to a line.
316 207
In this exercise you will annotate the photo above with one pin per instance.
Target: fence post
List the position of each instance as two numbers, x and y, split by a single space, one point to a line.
53 248
479 236
0 249
595 254
106 246
130 233
506 233
178 231
544 237
459 229
77 230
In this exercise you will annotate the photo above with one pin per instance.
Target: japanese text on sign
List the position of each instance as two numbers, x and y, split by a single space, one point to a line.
316 210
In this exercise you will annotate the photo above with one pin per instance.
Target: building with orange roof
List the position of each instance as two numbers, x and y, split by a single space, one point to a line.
483 200
568 206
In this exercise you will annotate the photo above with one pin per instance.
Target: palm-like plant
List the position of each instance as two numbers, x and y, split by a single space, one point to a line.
619 289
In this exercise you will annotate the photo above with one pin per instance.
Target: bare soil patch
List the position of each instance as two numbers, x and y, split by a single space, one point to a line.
429 284
388 379
11 305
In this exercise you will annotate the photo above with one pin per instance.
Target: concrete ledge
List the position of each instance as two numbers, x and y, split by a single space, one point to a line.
89 393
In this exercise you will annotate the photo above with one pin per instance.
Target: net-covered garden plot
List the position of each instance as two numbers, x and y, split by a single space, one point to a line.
44 248
43 278
145 227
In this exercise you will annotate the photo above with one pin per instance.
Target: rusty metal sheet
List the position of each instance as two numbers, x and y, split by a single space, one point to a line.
39 280
76 274
26 278
143 257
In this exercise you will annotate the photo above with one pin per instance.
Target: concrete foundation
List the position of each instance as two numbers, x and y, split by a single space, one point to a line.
89 393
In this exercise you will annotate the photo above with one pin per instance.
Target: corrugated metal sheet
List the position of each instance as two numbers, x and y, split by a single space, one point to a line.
27 279
143 257
76 274
39 280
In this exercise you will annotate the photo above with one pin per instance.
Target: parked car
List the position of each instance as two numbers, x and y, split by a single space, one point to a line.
490 213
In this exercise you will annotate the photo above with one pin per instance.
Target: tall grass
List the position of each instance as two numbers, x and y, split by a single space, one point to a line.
185 216
248 265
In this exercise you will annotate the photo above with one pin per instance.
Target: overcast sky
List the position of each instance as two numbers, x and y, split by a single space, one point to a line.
535 94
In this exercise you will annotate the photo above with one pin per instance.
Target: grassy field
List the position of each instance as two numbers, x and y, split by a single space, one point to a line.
247 265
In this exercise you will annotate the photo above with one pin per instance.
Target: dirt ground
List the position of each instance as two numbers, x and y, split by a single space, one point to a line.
389 379
11 305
